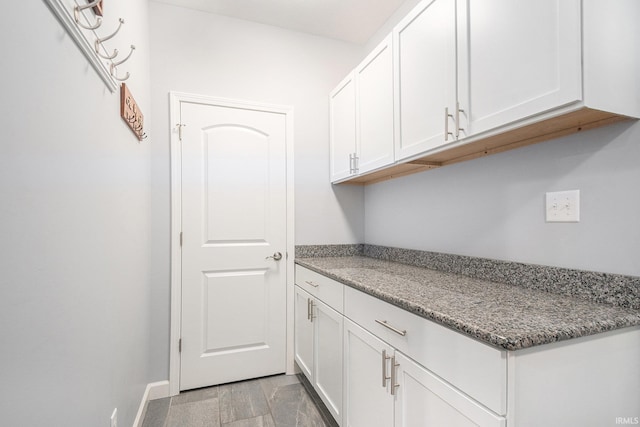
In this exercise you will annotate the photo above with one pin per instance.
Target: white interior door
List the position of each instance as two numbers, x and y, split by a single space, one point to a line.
234 222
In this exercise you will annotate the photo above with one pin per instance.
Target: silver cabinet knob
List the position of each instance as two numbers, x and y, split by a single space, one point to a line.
277 256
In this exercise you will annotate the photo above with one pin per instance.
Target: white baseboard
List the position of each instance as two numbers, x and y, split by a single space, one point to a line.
153 391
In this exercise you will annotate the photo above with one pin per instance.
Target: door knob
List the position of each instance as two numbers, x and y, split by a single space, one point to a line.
277 256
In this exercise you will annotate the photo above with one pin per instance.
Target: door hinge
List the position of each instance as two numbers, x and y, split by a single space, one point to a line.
180 345
181 239
180 126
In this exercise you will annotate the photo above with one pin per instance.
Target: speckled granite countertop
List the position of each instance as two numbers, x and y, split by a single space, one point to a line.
505 316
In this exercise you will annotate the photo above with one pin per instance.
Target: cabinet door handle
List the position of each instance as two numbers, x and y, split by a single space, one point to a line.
384 368
446 124
353 163
309 309
311 317
310 283
384 323
394 376
458 111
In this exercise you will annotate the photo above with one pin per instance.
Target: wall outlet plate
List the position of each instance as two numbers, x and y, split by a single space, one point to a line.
563 206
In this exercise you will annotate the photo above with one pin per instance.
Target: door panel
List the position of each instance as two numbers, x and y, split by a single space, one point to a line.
328 357
243 218
425 56
375 108
303 333
229 326
342 127
234 218
366 402
516 59
425 400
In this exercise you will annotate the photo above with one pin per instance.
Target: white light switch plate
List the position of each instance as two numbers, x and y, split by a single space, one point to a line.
563 206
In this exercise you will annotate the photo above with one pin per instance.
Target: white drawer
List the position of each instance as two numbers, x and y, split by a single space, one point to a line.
326 290
475 368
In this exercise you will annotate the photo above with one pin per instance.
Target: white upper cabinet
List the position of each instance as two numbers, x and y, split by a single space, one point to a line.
342 124
425 65
466 67
516 59
362 117
473 78
374 96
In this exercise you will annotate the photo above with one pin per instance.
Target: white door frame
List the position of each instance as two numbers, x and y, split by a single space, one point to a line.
175 98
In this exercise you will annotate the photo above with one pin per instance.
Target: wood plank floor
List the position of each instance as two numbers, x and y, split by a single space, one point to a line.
278 401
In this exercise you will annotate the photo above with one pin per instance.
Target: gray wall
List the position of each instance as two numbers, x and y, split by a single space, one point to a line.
494 207
203 53
74 221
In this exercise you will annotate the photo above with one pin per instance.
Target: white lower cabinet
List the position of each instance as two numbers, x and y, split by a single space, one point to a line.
367 398
385 388
303 337
376 365
327 356
319 335
424 400
318 348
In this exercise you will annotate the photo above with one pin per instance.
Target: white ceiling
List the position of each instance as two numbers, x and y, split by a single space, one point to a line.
353 21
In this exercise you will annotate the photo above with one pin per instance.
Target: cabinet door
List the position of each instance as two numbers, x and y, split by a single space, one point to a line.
328 357
367 403
303 335
342 106
425 66
516 58
424 400
374 85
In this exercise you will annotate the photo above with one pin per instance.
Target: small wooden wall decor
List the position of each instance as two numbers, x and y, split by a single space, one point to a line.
98 8
130 113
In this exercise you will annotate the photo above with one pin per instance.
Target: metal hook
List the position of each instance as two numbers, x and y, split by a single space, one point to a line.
76 15
99 42
113 70
115 64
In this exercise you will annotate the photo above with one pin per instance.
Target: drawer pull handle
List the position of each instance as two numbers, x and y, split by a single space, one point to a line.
388 326
309 282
